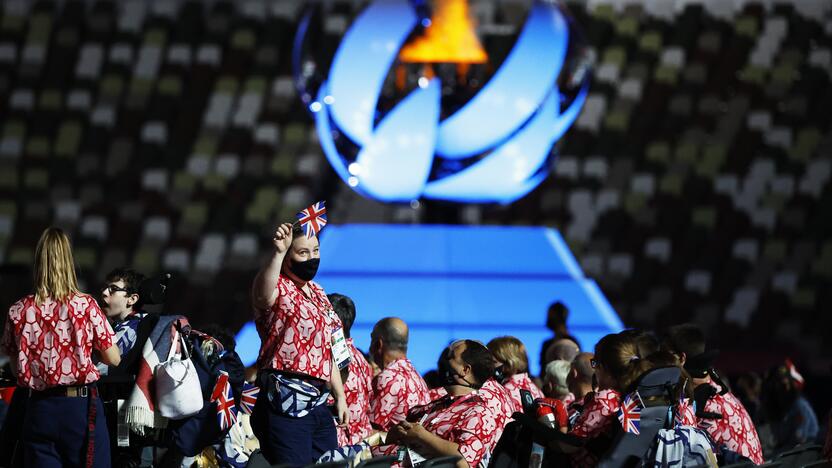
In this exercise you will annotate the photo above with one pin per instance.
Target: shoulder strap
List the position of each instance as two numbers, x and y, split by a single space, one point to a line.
173 344
178 339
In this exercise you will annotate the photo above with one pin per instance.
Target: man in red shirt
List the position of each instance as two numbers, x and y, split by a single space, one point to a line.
460 422
358 384
299 332
719 412
495 396
50 336
398 387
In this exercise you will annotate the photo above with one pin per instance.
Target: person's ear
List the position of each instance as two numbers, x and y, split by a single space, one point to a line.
682 359
467 370
132 300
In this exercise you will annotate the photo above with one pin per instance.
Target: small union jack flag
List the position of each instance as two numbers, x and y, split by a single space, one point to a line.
629 415
313 219
249 397
226 409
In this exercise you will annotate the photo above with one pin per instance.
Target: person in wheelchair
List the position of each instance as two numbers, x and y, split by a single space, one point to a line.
122 302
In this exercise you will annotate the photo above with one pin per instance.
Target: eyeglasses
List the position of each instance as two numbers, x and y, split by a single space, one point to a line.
594 363
114 289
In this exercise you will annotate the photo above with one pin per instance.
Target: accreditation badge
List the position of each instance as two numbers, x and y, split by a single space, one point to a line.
340 350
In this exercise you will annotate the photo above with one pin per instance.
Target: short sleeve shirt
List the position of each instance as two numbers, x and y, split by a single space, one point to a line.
53 342
463 420
498 400
518 382
734 430
357 392
296 331
396 389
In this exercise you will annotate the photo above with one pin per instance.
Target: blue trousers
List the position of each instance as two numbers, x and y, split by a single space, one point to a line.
292 441
55 433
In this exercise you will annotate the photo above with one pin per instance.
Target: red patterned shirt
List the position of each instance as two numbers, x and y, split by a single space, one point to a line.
296 332
734 430
498 399
436 393
686 415
463 420
598 416
357 392
396 389
518 382
53 342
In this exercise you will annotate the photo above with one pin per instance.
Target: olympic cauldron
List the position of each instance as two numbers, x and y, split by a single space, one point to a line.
413 103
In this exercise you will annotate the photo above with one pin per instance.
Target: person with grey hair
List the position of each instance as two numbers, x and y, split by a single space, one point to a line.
564 349
398 387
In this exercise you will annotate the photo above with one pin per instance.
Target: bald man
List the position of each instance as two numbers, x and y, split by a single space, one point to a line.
580 382
398 387
580 376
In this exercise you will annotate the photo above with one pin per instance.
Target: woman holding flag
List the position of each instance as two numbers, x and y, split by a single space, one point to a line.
301 350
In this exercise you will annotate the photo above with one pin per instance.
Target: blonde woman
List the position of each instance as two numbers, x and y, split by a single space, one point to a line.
50 337
514 361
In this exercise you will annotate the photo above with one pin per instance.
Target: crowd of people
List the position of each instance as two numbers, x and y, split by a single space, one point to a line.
317 395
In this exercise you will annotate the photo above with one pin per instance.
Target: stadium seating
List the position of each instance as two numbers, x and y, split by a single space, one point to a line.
168 135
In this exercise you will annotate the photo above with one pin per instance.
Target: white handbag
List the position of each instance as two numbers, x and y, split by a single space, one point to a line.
178 393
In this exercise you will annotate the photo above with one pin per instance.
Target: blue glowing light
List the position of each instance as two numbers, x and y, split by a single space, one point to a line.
512 122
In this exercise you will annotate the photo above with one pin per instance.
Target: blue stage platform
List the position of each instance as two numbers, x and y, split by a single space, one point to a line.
452 282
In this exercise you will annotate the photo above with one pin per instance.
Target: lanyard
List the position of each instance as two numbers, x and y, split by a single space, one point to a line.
444 406
313 299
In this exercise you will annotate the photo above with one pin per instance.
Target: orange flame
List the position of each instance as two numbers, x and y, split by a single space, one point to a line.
450 38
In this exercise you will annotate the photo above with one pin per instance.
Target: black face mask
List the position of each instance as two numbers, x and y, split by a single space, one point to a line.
305 271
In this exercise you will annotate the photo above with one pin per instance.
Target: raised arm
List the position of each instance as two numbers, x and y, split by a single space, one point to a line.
263 291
